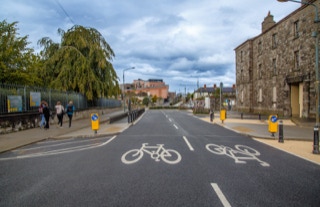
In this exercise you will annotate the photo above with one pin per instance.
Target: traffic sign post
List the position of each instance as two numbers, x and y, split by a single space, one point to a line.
95 122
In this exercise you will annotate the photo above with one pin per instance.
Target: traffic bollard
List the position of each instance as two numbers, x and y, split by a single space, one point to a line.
211 116
280 131
259 116
241 115
316 140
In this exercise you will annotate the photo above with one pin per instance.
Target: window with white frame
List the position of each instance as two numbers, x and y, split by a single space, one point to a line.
274 94
260 95
274 66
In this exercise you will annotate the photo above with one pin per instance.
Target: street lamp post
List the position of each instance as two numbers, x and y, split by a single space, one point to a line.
123 88
316 35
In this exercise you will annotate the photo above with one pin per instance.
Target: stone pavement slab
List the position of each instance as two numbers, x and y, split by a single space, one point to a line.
298 140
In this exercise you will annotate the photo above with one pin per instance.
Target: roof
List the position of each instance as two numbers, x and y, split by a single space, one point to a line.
212 90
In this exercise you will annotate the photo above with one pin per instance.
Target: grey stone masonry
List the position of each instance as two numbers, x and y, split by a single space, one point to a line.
275 71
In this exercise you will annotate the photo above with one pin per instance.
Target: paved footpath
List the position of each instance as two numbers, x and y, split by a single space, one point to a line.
297 140
79 128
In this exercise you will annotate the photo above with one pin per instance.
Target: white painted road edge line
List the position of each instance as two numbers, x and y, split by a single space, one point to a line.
61 151
222 198
188 143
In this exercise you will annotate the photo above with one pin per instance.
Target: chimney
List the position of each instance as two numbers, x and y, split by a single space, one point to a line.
268 22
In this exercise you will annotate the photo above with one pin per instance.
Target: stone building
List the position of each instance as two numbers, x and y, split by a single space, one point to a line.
275 71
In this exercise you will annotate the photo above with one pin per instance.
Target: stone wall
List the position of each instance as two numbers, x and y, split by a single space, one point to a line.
267 69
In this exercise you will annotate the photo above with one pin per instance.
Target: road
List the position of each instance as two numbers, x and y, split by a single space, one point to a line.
168 158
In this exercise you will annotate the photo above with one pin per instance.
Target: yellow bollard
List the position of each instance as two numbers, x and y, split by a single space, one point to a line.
222 115
273 124
95 122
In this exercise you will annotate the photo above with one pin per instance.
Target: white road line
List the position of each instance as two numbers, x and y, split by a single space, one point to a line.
188 143
222 198
61 151
175 126
170 120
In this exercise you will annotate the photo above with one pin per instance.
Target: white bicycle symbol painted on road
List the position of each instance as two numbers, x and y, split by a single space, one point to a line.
169 156
240 154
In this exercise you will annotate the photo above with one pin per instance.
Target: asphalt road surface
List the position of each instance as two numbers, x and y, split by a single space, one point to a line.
168 158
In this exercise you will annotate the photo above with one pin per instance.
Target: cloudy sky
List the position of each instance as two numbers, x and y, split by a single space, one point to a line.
183 42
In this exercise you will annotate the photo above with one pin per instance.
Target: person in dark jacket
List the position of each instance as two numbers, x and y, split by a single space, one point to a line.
46 113
70 109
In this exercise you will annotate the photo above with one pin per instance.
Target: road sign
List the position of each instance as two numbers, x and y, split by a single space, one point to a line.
95 121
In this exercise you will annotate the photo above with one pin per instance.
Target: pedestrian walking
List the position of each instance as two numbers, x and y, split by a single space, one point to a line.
70 109
46 113
59 111
42 119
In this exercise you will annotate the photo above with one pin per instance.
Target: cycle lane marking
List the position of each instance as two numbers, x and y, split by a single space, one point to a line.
188 143
240 154
220 195
157 153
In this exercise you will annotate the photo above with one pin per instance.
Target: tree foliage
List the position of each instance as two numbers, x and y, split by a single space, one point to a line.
81 62
18 63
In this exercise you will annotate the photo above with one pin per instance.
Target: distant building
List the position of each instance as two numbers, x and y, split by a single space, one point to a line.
213 93
275 71
151 87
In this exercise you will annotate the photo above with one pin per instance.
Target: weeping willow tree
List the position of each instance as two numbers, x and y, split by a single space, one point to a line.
80 63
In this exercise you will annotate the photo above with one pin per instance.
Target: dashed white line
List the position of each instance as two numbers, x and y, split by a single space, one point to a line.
222 198
175 126
188 143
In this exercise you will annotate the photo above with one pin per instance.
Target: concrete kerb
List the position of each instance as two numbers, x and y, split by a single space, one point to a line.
250 132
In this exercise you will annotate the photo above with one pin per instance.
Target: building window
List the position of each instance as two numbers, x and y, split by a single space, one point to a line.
242 97
296 60
274 94
274 41
274 66
260 48
260 95
241 56
260 71
296 29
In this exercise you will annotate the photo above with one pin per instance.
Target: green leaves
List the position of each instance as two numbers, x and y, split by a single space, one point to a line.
81 63
17 62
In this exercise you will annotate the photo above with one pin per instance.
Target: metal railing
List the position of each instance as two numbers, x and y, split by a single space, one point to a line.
23 95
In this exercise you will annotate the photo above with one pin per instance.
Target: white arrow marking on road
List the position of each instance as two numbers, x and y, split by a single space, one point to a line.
222 198
188 143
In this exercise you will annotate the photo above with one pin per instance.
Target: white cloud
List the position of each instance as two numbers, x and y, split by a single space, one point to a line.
182 42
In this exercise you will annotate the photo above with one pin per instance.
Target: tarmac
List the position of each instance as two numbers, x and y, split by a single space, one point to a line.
298 139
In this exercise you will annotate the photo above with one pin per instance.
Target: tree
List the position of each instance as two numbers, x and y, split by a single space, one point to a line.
80 63
145 101
18 63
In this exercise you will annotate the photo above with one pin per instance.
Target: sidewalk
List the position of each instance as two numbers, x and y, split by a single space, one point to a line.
298 140
79 128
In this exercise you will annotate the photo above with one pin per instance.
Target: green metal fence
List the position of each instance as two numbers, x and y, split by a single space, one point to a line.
17 98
